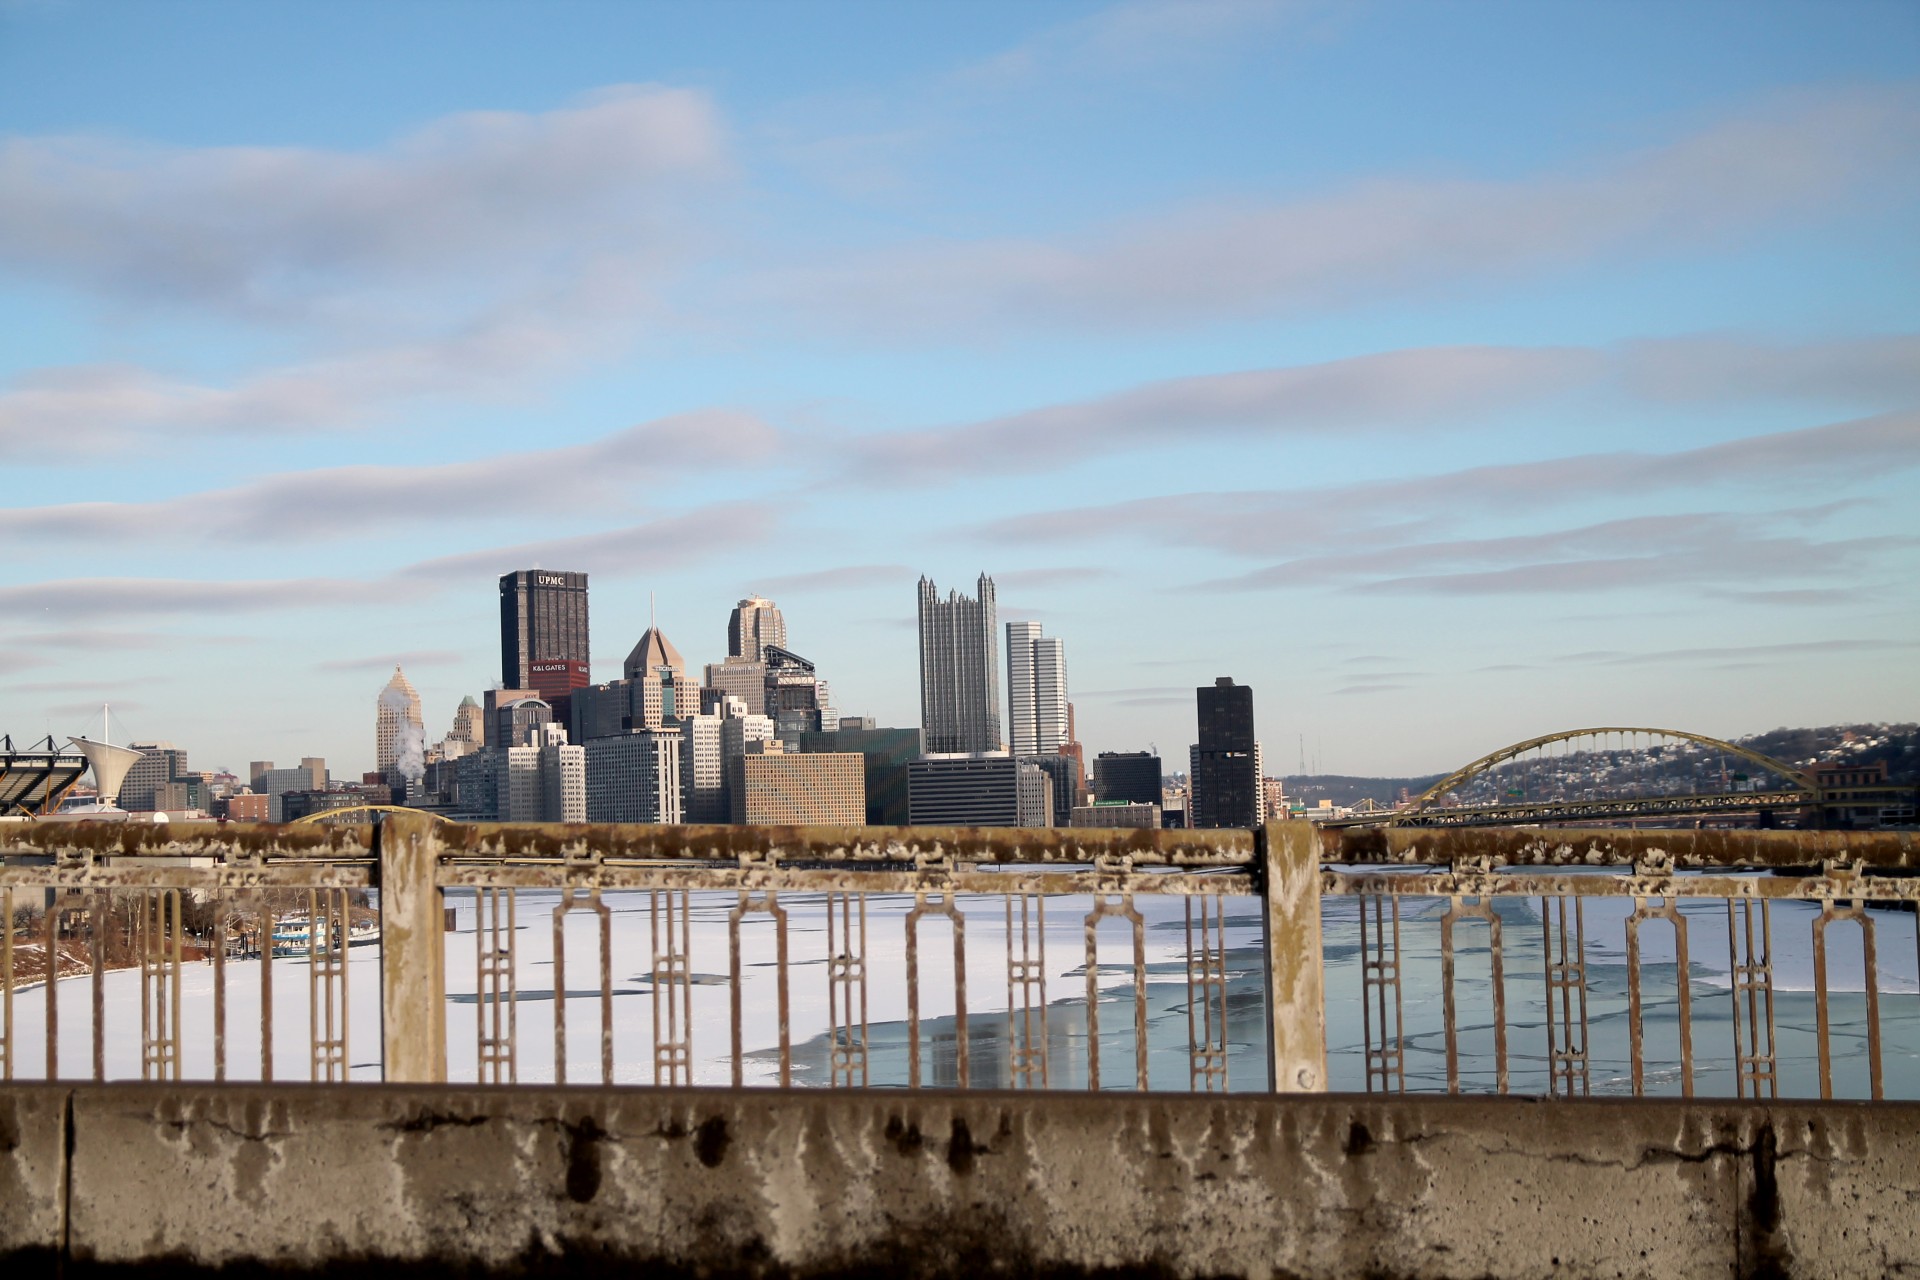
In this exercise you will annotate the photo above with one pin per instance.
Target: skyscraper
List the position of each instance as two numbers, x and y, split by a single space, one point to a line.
400 735
755 624
543 633
1036 690
1226 760
959 676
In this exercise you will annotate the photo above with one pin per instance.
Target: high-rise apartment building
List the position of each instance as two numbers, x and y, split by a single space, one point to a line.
1036 690
1226 760
399 733
543 632
755 624
959 670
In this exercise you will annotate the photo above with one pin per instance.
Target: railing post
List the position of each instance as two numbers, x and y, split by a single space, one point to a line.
1296 990
413 974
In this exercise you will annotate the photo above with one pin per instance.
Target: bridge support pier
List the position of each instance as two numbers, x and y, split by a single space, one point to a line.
1296 993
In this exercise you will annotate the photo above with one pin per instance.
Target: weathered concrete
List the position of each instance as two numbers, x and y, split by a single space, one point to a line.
814 1183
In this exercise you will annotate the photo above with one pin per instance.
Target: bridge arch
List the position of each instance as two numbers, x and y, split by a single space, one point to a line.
366 808
1494 759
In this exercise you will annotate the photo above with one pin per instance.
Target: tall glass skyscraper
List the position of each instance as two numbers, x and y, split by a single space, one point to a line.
959 670
1036 690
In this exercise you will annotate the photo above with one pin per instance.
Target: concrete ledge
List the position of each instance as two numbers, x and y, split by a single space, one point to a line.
697 1181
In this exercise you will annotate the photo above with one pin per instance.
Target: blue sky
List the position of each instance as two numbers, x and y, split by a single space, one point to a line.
1451 373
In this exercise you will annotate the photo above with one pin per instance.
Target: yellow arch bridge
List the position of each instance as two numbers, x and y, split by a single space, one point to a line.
1793 791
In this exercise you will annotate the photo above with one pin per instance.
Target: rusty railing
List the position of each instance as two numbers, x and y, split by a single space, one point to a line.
1568 961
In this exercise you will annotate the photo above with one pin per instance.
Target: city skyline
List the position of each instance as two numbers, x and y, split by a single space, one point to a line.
1446 375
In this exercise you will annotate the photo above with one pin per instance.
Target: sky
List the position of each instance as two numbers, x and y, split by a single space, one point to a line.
1451 373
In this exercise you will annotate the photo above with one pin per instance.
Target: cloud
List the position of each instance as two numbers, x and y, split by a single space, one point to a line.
1720 368
12 660
1130 38
1064 576
642 548
1388 512
331 502
1413 388
292 233
1395 388
122 598
1787 161
1755 653
847 577
89 641
88 708
411 658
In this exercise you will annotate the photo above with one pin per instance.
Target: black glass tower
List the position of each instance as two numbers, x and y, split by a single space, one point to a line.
1226 765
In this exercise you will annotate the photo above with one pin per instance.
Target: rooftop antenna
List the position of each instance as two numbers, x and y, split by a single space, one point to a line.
652 623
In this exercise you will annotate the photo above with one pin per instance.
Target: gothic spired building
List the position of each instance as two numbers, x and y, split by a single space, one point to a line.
959 670
543 633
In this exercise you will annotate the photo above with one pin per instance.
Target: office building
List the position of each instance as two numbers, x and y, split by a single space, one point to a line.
665 694
703 770
159 764
1127 777
981 789
1225 763
543 633
797 699
1116 813
885 755
274 783
755 624
469 732
635 777
517 721
399 732
1061 780
1036 691
959 670
769 786
543 781
742 678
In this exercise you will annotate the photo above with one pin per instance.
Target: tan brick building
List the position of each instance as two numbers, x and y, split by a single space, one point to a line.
773 788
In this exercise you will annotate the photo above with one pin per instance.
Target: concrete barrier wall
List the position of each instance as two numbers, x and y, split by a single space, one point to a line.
580 1181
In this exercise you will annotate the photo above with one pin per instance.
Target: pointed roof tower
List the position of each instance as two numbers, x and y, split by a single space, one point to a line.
654 650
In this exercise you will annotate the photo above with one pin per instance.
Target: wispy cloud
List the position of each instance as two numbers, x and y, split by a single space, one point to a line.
290 233
337 501
1390 389
1130 38
125 598
1802 157
652 547
410 658
1395 512
845 578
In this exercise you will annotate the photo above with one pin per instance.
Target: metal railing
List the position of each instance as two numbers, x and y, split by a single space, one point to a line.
1568 961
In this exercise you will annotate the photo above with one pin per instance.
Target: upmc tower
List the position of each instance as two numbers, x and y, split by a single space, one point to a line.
543 632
